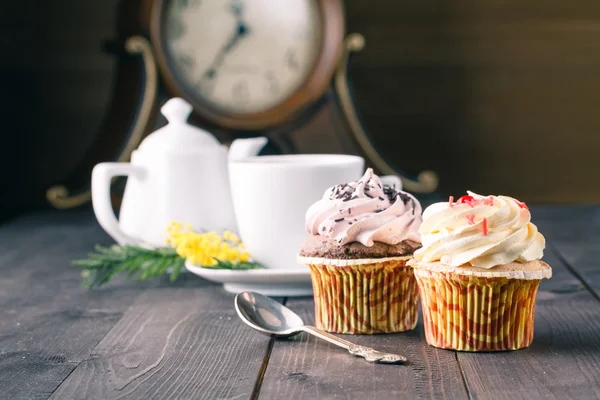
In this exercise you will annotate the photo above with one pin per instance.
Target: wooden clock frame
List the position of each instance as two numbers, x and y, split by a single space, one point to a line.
137 90
316 84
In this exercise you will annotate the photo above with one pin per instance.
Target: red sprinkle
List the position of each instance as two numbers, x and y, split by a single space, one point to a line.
451 201
467 200
522 204
484 226
489 201
471 219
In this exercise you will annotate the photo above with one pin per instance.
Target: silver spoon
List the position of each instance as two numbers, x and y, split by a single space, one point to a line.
268 316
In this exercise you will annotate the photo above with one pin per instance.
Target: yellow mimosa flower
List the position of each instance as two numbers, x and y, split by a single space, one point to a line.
206 248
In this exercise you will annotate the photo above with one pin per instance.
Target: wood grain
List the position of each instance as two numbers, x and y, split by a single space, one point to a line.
575 235
307 367
495 96
180 341
48 322
183 340
56 83
564 360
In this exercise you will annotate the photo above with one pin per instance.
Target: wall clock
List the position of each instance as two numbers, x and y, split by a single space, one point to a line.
248 64
248 67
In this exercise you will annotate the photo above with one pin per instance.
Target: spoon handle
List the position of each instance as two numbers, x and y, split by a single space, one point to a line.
369 354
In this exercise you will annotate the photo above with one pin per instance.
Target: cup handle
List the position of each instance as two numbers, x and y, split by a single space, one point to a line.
392 180
102 175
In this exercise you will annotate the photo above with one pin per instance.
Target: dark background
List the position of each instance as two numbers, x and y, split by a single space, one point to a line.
495 96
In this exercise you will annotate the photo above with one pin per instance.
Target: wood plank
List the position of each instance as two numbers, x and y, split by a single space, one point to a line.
181 341
564 359
575 234
307 367
476 78
57 81
48 322
517 45
461 10
397 102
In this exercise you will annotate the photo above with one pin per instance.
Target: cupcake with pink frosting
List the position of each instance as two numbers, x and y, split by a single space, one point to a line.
361 235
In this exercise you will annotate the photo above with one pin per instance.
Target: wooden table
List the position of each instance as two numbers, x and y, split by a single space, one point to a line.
184 340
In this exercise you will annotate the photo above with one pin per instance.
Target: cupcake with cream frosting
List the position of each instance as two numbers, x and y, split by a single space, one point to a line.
361 235
478 273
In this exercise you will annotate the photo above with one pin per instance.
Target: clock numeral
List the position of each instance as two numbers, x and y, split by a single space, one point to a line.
272 86
175 28
237 8
186 62
291 59
205 87
240 92
209 74
188 3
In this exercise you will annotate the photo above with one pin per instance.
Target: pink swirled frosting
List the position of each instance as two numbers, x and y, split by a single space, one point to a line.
365 211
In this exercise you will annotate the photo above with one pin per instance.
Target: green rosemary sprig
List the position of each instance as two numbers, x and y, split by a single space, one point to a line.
140 263
241 265
133 261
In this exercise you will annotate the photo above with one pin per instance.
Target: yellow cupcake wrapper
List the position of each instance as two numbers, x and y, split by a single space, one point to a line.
471 313
380 297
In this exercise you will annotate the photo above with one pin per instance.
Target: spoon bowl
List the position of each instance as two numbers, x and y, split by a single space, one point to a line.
267 315
272 318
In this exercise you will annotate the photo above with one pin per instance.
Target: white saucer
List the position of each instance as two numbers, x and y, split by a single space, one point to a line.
291 282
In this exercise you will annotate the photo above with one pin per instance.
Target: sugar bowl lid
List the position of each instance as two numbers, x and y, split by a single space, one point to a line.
178 134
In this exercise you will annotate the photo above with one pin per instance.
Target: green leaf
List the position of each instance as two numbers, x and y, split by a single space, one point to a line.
177 268
236 266
132 261
139 263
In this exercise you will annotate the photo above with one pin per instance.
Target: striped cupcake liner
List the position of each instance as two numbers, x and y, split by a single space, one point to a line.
381 297
471 313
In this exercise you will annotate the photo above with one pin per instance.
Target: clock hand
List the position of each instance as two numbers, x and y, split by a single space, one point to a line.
240 31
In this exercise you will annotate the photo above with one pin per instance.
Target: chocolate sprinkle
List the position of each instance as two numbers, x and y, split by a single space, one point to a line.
338 220
404 197
343 192
380 198
340 192
392 194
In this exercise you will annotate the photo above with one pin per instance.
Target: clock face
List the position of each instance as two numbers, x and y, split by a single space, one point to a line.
242 56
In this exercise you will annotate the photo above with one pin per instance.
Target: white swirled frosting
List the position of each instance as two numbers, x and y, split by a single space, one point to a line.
480 231
365 211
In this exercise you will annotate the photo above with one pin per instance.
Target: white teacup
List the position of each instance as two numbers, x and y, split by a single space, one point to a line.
272 193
